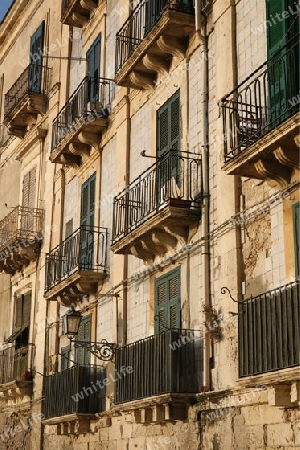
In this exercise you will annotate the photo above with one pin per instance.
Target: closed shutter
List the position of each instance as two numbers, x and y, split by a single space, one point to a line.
93 68
87 223
83 356
18 313
65 358
296 221
36 59
29 188
26 309
167 301
168 138
277 29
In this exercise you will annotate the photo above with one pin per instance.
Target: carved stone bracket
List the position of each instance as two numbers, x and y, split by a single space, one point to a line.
156 63
142 80
172 45
90 139
273 172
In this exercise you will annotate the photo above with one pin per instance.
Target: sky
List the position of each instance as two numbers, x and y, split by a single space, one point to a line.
4 5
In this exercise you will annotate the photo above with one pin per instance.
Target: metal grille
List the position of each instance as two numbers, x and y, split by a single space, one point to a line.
143 18
269 331
70 256
79 107
77 383
160 366
24 85
263 101
146 196
18 227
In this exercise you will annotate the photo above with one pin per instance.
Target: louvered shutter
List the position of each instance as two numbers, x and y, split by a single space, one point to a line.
167 301
29 188
87 222
296 221
93 67
36 59
18 313
26 309
83 356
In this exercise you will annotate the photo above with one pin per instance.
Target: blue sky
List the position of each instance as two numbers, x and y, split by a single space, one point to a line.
4 5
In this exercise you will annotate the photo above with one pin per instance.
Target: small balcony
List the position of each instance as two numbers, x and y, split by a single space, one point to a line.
166 374
78 126
77 12
16 364
26 99
73 397
261 120
152 215
21 235
269 331
77 265
155 32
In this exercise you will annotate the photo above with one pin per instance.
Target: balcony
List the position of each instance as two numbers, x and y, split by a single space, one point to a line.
20 238
269 331
73 398
26 99
261 120
16 364
167 367
152 215
78 264
77 12
79 124
155 32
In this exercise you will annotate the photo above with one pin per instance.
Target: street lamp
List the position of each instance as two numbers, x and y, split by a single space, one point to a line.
102 350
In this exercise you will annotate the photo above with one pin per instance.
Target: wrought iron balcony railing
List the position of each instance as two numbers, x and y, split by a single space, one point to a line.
269 331
16 363
80 109
175 179
263 101
84 250
168 362
144 17
34 80
21 227
75 390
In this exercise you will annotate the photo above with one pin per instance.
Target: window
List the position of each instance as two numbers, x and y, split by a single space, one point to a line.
168 138
93 68
167 301
29 186
83 356
283 71
87 223
21 321
36 59
296 223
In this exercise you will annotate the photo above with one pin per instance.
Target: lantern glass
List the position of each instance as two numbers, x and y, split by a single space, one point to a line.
71 322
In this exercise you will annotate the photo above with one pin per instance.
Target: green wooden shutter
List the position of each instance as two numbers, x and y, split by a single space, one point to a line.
93 57
26 309
168 138
82 356
65 358
296 222
36 59
86 256
167 301
277 28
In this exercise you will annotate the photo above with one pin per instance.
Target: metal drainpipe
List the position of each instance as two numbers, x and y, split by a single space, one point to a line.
205 256
237 179
127 180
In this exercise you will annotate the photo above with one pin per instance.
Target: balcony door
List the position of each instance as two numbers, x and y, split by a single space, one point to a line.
86 256
28 201
82 355
36 60
168 149
93 69
167 301
283 68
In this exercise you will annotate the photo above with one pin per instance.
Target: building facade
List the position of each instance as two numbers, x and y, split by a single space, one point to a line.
149 180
